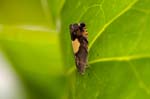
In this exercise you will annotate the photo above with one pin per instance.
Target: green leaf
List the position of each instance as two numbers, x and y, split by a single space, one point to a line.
30 40
119 51
30 54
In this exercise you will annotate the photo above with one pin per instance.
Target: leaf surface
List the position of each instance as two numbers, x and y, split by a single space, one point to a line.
119 51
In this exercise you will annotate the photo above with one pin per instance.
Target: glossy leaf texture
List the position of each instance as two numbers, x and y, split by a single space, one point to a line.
119 51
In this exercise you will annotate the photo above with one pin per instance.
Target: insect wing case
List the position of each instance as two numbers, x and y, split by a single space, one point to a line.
79 37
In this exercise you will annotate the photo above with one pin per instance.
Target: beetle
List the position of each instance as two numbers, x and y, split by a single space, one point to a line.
79 37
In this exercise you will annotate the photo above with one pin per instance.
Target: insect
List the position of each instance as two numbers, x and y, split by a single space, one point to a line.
79 37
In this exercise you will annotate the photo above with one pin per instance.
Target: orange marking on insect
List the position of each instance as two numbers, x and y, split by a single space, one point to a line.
76 45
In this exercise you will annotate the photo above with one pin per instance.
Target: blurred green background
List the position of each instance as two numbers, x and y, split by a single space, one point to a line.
30 51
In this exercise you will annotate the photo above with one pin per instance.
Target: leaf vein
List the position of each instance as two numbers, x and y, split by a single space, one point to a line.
109 22
141 82
86 9
122 58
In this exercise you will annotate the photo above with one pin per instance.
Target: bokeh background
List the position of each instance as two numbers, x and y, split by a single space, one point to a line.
30 59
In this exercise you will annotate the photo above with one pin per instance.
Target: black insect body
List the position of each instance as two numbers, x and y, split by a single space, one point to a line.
79 37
